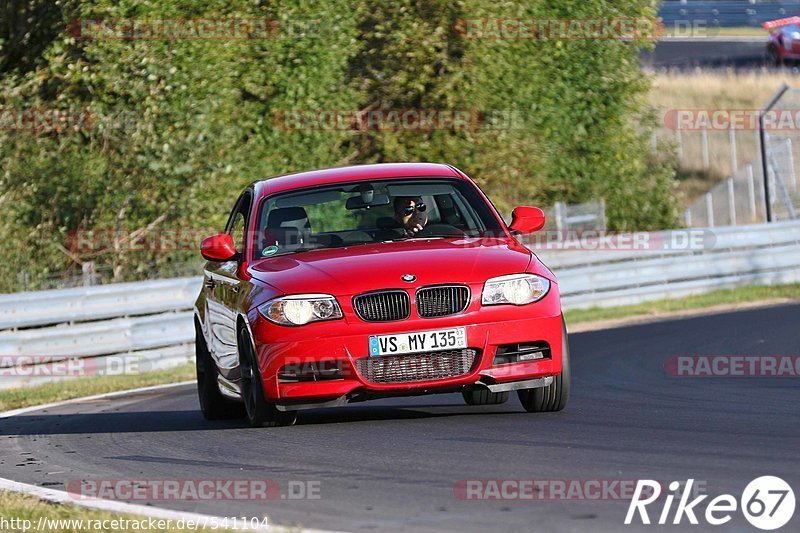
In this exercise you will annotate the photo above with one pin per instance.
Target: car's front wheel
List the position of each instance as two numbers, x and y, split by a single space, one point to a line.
553 397
213 405
260 411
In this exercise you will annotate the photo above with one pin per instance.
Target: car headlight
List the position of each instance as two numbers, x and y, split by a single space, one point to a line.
516 289
301 309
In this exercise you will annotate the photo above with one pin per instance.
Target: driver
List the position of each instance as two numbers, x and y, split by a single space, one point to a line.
410 213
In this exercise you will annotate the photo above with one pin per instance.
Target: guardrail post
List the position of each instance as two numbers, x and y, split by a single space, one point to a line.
751 193
23 278
88 274
792 171
687 217
710 210
772 179
734 158
762 137
704 139
731 201
561 216
679 146
603 214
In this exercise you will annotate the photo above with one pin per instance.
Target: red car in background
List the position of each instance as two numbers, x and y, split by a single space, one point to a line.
317 294
784 40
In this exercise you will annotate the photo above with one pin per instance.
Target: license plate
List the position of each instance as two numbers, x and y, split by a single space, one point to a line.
419 342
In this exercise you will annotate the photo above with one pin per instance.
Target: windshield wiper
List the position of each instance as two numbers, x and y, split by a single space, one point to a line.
410 239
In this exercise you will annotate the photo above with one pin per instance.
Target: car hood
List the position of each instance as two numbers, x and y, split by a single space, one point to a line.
357 269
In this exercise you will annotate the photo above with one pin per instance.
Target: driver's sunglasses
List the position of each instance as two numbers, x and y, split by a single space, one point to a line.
409 210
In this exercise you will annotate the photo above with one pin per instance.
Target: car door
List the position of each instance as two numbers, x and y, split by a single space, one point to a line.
222 285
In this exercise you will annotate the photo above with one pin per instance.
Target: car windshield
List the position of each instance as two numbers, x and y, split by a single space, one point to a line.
370 212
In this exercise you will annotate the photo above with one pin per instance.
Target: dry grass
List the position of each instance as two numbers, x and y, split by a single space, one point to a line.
703 301
25 512
717 90
77 388
741 31
711 90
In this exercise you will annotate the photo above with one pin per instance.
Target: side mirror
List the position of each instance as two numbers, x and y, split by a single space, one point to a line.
527 220
218 248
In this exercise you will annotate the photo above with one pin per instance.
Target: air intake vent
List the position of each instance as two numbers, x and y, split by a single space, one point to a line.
442 301
417 367
523 352
384 306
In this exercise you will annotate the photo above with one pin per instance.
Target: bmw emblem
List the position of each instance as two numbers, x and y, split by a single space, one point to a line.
409 278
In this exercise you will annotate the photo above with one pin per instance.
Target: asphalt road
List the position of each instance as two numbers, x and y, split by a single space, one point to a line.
708 54
392 465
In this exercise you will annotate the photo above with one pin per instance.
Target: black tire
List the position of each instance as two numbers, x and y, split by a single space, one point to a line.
484 397
212 403
259 411
775 56
554 397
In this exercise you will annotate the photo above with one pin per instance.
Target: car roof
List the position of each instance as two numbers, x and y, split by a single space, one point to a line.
354 173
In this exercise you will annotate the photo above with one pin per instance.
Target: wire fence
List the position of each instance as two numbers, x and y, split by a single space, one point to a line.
782 148
746 197
737 200
715 151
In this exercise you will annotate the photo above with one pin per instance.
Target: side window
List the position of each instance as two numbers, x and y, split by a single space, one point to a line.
237 224
237 231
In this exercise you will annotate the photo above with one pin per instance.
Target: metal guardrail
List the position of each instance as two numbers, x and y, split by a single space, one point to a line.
716 240
150 323
41 308
763 254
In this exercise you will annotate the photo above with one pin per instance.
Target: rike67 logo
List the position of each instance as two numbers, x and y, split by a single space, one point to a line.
767 503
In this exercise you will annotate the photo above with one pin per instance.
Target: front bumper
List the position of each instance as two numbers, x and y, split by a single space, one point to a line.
342 342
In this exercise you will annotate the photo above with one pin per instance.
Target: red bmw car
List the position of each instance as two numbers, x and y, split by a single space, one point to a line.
344 285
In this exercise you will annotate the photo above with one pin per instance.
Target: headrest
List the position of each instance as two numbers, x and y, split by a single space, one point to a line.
288 217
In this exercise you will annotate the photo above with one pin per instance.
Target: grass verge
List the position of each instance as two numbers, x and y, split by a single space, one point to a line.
77 388
711 299
26 511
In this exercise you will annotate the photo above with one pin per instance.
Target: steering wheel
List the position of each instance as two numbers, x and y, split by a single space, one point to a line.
440 230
